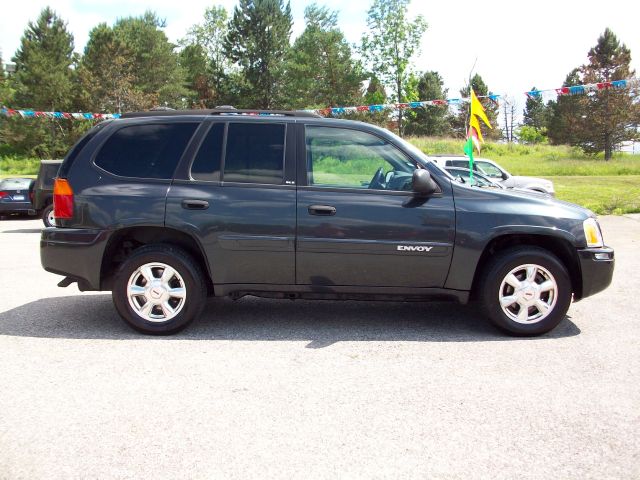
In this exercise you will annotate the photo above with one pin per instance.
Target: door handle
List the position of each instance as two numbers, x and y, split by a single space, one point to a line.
323 210
195 204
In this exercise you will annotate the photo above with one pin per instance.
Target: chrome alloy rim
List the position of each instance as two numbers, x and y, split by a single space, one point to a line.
156 292
528 294
51 219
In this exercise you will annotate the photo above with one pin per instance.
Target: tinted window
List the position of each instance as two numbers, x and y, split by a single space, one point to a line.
206 165
49 172
255 153
338 157
145 151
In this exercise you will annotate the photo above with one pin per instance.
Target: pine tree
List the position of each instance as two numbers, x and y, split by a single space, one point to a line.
612 116
44 77
154 64
535 112
321 70
565 114
390 45
258 42
432 120
106 74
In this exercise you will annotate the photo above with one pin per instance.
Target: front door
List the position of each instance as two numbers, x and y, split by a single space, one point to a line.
359 224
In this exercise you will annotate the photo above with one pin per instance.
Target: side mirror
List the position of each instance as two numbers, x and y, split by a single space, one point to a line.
423 184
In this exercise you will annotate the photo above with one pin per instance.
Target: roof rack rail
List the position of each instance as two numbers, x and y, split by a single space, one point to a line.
222 111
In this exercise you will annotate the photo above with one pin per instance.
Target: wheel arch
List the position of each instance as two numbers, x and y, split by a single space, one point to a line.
560 247
125 241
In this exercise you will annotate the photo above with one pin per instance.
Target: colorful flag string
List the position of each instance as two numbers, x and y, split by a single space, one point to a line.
337 111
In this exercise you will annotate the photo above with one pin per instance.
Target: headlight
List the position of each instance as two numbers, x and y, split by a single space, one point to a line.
592 233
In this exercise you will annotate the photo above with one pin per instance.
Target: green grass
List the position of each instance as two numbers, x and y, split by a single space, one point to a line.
12 166
538 160
605 195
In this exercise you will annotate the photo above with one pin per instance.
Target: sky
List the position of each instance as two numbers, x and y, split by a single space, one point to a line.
514 45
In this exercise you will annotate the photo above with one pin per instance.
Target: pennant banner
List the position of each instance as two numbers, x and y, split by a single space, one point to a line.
337 111
9 112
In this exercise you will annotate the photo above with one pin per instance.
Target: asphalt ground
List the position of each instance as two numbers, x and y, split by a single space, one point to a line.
309 389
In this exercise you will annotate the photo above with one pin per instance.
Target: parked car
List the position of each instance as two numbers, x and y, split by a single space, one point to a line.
479 180
43 190
166 208
14 196
495 172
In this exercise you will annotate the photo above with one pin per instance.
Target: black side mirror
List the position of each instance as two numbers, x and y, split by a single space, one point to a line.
423 184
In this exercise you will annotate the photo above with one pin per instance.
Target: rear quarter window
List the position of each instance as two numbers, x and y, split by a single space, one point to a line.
145 151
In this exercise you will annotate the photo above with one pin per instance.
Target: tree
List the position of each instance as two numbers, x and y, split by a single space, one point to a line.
565 113
390 44
536 113
154 64
107 76
321 70
461 120
432 120
258 41
611 116
44 80
44 77
509 109
205 42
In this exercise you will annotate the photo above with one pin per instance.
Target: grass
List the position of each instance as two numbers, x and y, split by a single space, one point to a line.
15 166
605 195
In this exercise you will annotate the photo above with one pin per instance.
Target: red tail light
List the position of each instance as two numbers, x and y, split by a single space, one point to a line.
62 199
4 194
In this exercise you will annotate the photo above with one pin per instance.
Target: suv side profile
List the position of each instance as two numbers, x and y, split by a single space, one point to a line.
166 208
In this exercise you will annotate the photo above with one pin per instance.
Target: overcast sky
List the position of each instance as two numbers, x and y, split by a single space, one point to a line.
517 44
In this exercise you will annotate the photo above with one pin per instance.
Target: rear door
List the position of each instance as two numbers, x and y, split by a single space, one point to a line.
236 195
359 224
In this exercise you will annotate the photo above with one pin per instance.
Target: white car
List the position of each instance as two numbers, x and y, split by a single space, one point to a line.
495 172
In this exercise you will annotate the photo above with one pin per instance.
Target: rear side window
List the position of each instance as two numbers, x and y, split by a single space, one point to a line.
75 151
255 153
145 151
206 165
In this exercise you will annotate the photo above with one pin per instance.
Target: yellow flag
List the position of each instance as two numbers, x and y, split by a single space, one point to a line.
478 109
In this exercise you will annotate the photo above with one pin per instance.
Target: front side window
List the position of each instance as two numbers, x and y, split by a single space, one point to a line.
145 151
255 153
345 158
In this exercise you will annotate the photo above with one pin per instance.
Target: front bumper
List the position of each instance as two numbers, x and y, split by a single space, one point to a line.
596 266
75 253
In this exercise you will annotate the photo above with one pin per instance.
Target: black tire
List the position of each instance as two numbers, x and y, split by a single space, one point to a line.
491 288
189 274
45 216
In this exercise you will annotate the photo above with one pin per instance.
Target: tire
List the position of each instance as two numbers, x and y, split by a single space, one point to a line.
170 304
47 216
518 305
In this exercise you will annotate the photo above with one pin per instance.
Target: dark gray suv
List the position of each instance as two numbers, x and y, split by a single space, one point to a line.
167 208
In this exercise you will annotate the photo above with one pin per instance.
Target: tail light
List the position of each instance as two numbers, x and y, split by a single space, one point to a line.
31 195
4 194
62 199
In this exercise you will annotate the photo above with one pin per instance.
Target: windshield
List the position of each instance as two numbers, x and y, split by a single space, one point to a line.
15 183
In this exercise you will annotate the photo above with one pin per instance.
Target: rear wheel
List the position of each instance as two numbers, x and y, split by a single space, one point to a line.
159 290
526 291
47 216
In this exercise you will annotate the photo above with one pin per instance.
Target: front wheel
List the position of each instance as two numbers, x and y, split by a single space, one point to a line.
526 291
159 290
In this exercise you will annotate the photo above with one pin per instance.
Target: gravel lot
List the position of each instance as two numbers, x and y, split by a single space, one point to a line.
280 389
